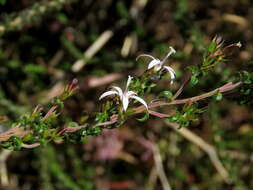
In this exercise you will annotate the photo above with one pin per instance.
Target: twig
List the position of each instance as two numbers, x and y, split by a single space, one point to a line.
30 14
160 168
180 90
152 179
15 131
94 82
3 171
150 145
56 58
30 145
238 155
227 87
92 50
241 21
209 149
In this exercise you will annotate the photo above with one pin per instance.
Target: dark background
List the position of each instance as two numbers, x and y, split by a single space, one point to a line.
36 58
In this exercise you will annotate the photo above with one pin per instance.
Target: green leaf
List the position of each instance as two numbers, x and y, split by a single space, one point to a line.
144 118
31 68
122 9
166 94
194 69
194 80
17 143
72 124
62 18
13 63
246 77
212 47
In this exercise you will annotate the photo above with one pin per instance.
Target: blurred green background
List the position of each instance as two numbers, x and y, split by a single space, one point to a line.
45 44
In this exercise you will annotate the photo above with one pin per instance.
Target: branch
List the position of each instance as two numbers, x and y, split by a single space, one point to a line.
150 145
160 168
92 50
20 132
209 149
227 87
3 170
30 14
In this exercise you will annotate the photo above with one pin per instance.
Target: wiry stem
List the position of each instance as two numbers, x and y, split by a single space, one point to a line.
3 169
160 168
209 149
227 87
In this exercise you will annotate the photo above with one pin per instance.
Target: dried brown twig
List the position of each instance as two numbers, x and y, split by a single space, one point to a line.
158 163
202 144
3 170
160 168
227 87
92 50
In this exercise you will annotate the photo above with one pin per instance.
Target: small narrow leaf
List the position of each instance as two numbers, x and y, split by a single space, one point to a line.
144 118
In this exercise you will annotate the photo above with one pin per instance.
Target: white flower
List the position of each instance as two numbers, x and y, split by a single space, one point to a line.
158 65
124 96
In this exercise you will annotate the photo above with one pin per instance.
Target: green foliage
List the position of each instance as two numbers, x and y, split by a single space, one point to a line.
2 2
246 89
189 113
122 9
36 69
182 9
72 49
144 118
195 74
167 94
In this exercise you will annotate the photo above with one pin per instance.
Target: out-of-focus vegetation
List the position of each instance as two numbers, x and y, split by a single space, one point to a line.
45 44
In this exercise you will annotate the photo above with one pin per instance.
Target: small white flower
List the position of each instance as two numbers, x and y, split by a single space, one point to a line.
158 65
124 96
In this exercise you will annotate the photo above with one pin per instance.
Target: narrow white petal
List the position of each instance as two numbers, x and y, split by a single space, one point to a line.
144 55
130 93
154 63
170 70
108 93
118 89
128 82
125 102
140 100
172 73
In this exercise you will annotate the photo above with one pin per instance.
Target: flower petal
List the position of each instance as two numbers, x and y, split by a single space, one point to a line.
155 63
108 93
145 55
140 100
128 82
118 90
130 93
125 102
172 73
